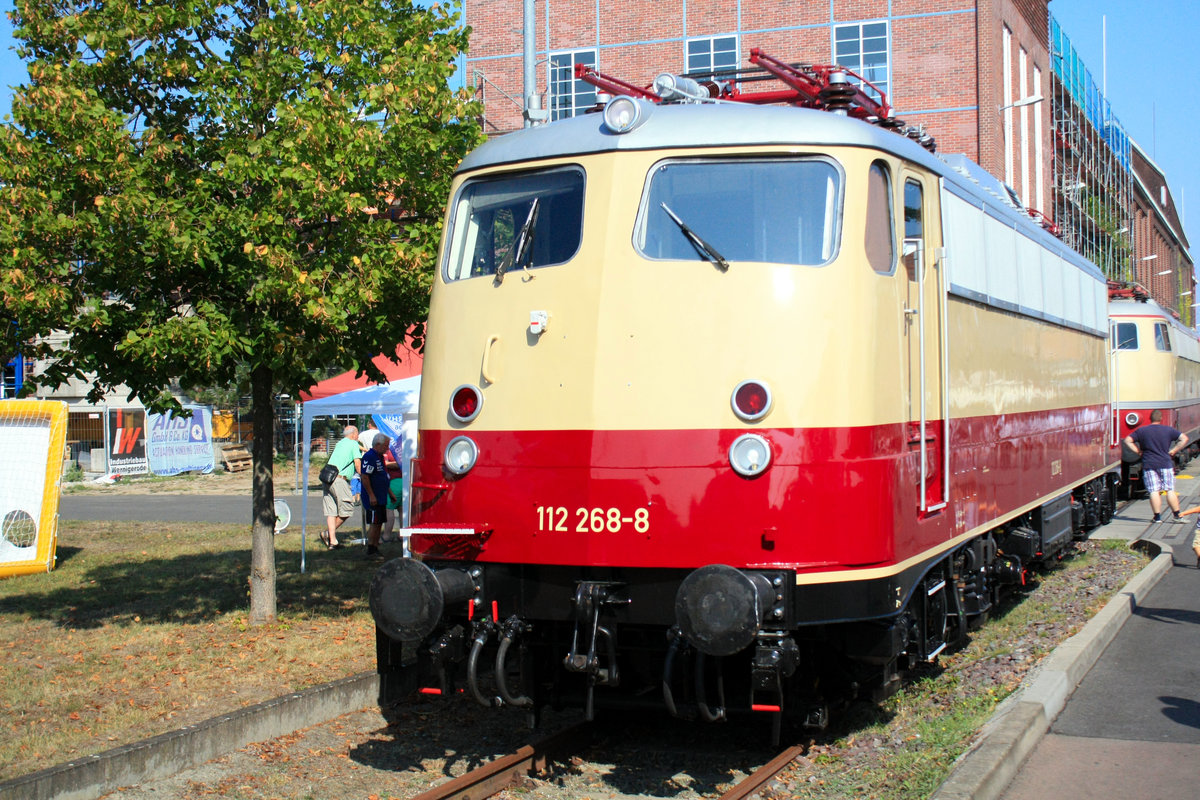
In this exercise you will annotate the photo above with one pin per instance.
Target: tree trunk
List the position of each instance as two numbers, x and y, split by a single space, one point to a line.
262 557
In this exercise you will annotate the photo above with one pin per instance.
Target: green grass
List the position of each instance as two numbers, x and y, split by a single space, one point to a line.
142 628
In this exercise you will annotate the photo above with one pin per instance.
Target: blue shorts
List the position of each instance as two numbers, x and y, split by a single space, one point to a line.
1159 480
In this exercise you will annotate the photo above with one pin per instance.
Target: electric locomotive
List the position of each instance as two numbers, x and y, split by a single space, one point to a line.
1156 365
735 407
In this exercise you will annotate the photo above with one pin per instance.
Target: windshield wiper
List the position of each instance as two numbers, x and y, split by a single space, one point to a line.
523 244
702 247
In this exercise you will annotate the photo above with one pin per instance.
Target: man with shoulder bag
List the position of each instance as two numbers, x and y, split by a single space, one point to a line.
337 499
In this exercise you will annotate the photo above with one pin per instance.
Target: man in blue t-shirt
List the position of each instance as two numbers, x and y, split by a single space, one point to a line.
375 492
1157 444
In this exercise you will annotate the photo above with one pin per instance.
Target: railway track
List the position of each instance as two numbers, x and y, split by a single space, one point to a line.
533 759
503 772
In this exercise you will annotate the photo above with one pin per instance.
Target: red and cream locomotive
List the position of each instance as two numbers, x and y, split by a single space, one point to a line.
1156 365
733 407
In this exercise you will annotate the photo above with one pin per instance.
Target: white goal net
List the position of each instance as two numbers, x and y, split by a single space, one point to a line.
32 439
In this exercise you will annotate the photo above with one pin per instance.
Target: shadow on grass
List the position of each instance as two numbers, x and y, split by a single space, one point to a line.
64 554
190 588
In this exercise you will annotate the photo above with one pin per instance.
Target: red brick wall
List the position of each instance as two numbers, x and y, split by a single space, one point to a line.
933 66
573 23
945 54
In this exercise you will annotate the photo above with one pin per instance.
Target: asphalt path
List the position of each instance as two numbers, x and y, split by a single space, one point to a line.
1131 729
231 509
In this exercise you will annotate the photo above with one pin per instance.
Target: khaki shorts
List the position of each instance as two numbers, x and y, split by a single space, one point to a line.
1196 538
338 500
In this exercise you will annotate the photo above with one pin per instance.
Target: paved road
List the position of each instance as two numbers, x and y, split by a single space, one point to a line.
232 509
1131 729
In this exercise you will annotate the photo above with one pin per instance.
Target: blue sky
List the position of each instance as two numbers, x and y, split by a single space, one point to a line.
1153 76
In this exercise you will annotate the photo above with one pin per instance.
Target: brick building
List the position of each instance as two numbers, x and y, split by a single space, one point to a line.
987 78
948 65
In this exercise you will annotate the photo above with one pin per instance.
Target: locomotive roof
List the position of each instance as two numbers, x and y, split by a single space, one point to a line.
694 125
1145 308
730 124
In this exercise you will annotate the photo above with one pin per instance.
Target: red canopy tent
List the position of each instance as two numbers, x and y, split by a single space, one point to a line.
410 365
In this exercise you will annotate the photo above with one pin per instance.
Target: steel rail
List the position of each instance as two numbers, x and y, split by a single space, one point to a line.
503 772
766 772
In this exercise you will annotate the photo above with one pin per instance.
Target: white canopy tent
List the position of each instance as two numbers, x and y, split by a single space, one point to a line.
393 404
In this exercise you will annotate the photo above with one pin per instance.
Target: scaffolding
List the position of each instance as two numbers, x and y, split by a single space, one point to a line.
1091 166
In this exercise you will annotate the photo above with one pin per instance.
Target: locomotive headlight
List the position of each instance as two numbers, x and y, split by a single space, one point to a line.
1131 419
749 454
623 113
461 455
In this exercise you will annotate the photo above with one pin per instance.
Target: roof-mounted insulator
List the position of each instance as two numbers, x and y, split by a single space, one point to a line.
838 93
827 87
917 134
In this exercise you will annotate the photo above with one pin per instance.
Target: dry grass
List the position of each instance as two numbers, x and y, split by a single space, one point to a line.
141 629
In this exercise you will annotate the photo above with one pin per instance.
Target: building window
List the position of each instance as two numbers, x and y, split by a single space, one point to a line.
569 96
863 48
711 54
1006 79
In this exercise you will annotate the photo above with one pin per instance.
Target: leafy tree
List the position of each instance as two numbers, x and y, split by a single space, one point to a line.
187 186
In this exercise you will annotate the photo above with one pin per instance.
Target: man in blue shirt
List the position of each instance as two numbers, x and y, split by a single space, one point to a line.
1157 444
375 492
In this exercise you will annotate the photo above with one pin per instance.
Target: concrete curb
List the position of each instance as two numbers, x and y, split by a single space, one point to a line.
984 771
165 755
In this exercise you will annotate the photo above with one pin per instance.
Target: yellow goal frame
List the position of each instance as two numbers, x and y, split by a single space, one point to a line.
54 413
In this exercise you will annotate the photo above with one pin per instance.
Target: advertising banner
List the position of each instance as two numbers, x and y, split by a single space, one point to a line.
181 443
127 441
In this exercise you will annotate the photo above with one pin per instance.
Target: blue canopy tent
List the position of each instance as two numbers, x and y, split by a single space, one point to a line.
393 406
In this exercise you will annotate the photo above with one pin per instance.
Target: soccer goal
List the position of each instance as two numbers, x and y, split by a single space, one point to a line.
33 434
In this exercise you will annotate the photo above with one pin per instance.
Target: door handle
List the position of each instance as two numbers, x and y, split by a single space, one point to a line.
486 371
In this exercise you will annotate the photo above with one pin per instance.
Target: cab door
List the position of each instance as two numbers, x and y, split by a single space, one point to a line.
925 370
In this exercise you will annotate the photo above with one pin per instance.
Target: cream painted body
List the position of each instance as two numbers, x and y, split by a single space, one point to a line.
635 344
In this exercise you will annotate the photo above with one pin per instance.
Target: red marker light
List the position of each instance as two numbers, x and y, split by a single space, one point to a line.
751 400
465 403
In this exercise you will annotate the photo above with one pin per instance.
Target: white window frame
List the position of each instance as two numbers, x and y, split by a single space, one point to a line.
711 51
579 91
1039 189
1007 100
885 85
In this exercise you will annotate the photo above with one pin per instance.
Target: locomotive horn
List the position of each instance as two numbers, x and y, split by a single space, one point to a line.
408 598
719 609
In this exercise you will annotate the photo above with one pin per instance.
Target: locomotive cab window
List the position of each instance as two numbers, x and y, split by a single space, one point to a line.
914 227
1125 336
1162 339
514 222
880 233
778 211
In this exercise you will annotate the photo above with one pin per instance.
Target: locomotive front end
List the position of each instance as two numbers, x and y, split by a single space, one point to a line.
635 434
687 418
